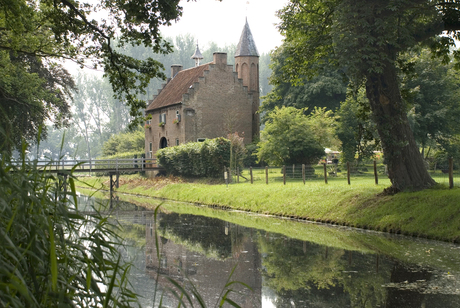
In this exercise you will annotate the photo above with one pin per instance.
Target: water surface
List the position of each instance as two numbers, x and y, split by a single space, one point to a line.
286 263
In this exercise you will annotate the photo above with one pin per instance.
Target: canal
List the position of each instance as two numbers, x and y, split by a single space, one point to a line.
286 263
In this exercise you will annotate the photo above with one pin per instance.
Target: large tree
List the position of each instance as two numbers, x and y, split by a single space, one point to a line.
366 37
91 33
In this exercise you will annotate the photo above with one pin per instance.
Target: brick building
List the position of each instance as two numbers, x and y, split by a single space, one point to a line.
207 101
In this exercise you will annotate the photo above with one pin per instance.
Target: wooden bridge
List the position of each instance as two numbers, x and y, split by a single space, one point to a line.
99 165
111 166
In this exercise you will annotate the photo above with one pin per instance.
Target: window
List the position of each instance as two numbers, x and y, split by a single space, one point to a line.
177 116
177 141
201 139
162 117
150 150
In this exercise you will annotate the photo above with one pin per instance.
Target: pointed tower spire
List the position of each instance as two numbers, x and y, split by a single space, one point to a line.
246 45
197 56
247 67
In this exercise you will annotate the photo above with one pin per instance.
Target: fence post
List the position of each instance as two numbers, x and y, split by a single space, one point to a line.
284 174
266 175
143 161
451 173
348 172
250 171
303 173
238 174
375 173
293 171
325 173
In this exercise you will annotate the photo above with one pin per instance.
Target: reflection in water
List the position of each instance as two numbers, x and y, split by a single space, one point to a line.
286 272
206 251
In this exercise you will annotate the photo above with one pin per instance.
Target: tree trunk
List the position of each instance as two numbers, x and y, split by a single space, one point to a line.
406 167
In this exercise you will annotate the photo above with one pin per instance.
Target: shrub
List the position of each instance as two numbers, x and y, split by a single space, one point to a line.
196 159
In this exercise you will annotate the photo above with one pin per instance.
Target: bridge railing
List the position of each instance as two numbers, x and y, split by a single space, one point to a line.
118 164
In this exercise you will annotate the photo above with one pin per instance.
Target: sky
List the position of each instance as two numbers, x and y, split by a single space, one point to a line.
223 22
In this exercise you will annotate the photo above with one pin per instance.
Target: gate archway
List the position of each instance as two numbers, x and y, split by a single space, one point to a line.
163 143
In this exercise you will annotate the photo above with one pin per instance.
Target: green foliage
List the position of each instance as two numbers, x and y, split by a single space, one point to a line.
327 89
355 128
32 94
251 155
289 138
431 89
73 30
196 159
51 254
323 123
366 39
363 36
124 143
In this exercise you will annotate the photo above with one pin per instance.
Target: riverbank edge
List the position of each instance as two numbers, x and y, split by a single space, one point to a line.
432 213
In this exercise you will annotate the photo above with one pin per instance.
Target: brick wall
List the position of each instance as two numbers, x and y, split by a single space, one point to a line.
221 104
214 106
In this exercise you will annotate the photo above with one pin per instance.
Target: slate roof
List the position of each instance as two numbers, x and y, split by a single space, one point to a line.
246 45
197 54
179 85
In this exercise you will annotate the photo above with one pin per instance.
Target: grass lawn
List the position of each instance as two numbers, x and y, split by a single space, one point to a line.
433 213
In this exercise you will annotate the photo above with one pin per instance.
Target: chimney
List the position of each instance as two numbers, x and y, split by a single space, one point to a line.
175 68
220 58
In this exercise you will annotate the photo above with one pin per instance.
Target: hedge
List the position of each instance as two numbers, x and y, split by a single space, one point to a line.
196 159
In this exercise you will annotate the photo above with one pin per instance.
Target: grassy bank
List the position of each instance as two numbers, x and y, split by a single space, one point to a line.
431 213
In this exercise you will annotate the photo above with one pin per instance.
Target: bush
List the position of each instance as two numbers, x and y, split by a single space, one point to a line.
196 159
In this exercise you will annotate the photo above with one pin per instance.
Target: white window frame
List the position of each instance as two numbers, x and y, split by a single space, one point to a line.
163 117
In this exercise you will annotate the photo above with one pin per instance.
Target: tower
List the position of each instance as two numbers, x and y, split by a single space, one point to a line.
197 56
247 67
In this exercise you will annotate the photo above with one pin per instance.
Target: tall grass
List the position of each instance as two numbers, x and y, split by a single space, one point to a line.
50 254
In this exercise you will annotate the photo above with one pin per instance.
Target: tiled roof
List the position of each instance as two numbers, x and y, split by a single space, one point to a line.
179 85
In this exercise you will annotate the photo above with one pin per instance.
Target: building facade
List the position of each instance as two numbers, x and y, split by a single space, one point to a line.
207 101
